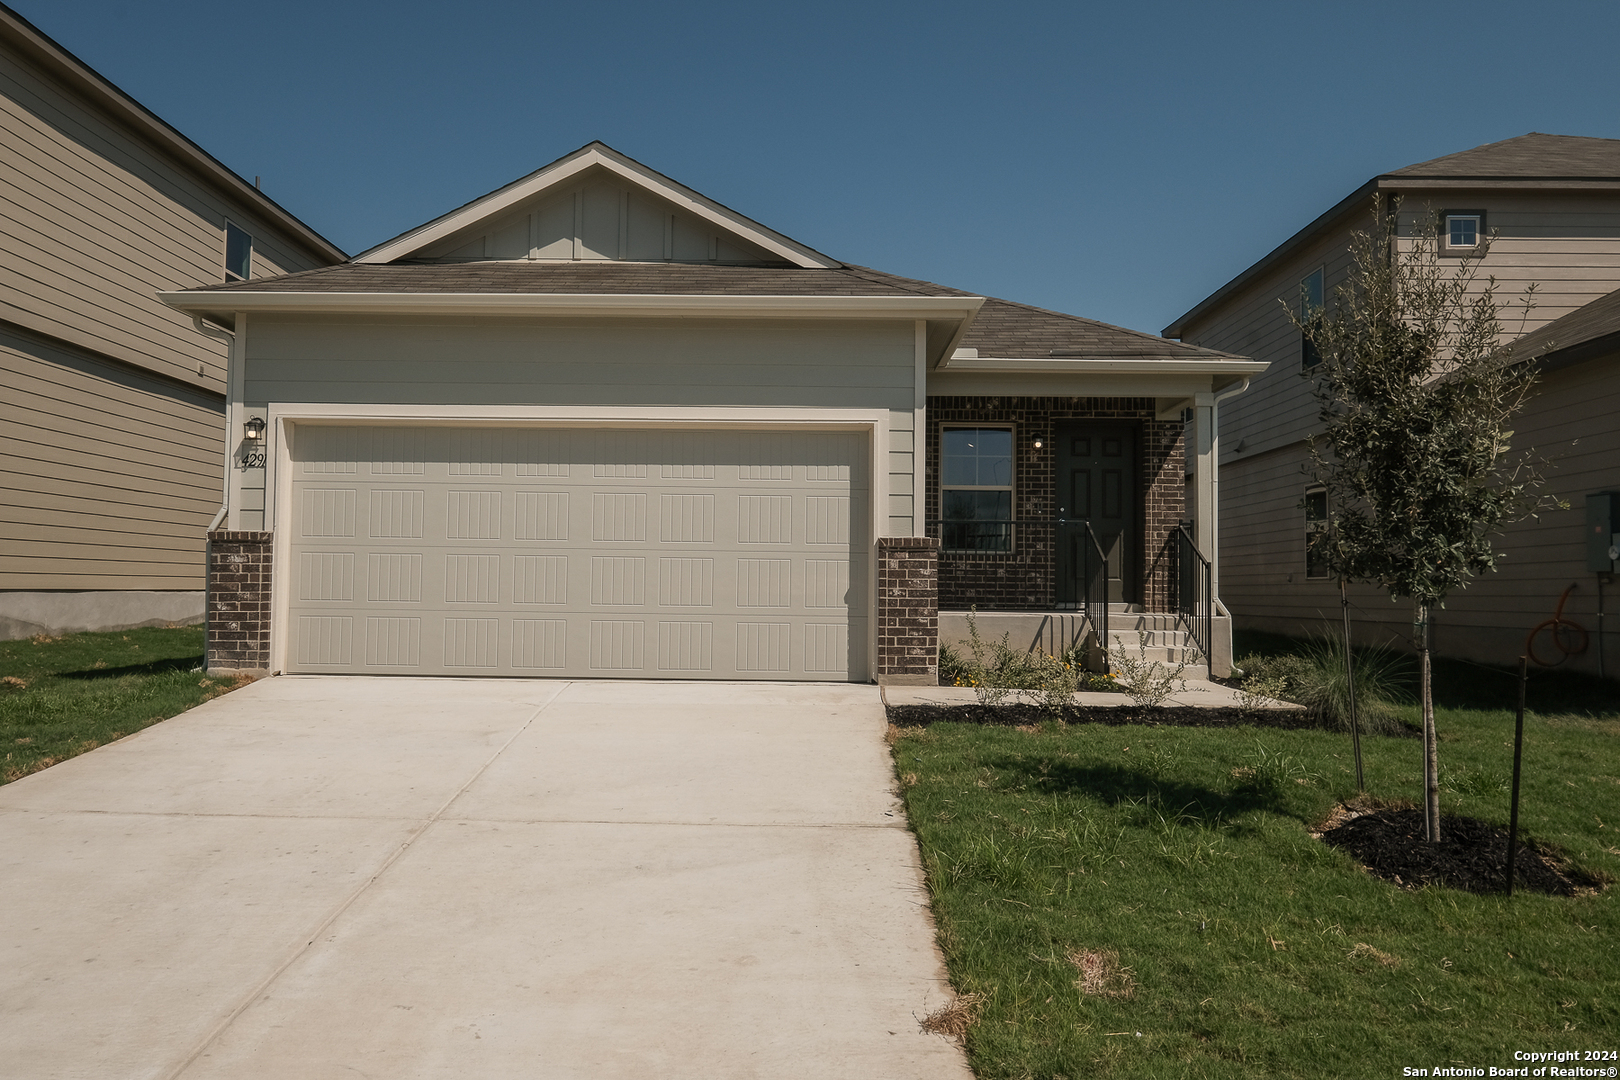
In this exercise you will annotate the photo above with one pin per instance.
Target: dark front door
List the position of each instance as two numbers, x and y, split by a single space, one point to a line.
1097 482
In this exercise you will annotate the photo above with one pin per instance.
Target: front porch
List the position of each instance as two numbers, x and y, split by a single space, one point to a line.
1069 520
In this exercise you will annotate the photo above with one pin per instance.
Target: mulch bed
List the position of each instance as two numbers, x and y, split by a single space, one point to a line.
1113 715
1471 855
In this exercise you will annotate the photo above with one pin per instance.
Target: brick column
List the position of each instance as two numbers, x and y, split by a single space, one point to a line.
908 610
238 601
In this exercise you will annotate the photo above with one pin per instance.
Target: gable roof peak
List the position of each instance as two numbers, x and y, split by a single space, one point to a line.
572 168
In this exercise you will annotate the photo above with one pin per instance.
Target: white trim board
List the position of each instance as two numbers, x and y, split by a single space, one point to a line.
285 416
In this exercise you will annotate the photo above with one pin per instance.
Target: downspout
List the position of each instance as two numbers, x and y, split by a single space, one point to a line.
1215 492
225 494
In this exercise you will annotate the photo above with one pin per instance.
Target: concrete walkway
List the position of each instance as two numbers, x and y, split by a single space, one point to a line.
401 878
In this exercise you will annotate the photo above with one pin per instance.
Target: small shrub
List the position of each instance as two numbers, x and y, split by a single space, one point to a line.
995 670
1150 683
1256 694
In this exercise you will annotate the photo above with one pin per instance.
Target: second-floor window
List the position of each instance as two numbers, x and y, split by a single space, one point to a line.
1311 292
1461 232
238 253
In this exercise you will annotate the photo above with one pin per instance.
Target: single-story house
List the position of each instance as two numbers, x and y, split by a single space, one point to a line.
114 405
597 424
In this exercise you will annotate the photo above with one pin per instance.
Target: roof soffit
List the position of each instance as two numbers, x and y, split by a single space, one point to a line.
575 168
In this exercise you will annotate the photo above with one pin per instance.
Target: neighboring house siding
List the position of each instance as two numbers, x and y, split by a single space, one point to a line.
108 475
1277 409
1570 422
1568 244
1565 243
95 223
111 425
698 364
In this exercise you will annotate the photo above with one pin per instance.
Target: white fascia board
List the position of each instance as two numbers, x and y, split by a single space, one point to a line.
1132 366
564 171
564 304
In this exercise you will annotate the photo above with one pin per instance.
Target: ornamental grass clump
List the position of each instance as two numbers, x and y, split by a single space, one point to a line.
1316 679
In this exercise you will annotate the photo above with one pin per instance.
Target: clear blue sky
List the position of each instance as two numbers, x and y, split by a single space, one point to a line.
1113 160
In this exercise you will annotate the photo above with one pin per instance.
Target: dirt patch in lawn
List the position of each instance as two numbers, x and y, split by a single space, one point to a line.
1471 855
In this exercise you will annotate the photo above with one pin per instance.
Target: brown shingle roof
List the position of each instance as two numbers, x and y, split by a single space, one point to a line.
1002 329
1532 156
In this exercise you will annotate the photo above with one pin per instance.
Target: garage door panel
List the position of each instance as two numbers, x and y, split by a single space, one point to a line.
693 554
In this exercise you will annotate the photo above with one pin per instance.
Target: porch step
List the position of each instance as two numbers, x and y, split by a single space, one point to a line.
1158 637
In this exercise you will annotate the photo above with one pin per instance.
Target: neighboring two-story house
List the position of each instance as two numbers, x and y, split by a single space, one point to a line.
111 404
1551 207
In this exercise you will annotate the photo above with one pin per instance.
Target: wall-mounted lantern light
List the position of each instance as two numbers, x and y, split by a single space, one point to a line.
1039 443
253 431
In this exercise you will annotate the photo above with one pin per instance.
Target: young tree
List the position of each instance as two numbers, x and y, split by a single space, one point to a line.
1416 395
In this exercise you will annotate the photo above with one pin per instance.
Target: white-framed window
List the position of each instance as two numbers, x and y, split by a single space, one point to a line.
1461 231
976 488
1312 297
1316 523
238 253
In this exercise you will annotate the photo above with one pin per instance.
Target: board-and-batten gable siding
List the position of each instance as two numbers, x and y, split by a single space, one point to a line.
692 363
1565 243
108 475
1278 408
594 221
1569 421
96 222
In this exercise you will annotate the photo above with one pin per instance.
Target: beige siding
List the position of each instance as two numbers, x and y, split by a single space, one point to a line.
594 221
107 475
1570 421
95 223
1567 244
1277 409
699 364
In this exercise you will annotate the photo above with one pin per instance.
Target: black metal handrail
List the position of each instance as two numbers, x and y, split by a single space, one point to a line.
1096 611
1194 599
1099 620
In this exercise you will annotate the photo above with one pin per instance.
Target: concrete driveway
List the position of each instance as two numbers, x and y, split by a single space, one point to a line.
351 877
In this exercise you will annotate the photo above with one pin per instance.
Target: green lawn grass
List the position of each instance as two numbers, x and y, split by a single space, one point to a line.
1253 949
61 696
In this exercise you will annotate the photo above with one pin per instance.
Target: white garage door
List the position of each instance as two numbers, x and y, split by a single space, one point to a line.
578 552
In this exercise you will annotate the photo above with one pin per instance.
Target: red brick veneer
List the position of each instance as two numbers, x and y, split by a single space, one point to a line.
908 609
238 601
1025 579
